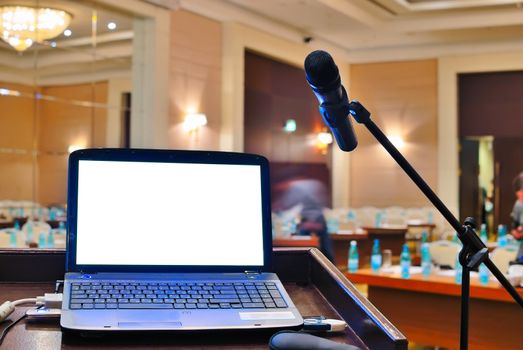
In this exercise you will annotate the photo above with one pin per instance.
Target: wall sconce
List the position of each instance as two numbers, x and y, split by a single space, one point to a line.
324 139
397 141
289 126
73 148
194 121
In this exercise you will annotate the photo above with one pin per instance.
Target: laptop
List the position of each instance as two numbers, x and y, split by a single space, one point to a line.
171 240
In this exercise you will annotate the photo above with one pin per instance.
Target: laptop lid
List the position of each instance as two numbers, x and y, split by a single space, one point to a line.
137 210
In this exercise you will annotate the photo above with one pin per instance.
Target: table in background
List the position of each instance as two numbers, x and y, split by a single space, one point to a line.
428 310
391 238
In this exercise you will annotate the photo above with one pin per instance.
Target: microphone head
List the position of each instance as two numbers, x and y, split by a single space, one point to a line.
321 71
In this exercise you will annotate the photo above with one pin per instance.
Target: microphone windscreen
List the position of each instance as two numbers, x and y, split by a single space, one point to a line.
320 69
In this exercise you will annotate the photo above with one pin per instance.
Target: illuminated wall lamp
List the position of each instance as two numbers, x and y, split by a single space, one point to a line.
194 121
73 148
397 141
324 139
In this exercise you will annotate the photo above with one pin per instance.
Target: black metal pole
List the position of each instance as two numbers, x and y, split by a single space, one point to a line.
468 237
464 324
474 250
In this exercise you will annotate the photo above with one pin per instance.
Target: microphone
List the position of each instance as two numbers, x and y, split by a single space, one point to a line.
324 79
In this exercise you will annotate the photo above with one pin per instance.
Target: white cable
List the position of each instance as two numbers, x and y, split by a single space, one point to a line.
24 301
49 300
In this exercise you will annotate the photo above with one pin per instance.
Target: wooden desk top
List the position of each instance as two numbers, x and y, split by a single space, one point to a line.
349 237
49 336
433 284
297 241
313 283
371 230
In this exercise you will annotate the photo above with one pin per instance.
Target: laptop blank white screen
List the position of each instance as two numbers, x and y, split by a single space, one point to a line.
144 213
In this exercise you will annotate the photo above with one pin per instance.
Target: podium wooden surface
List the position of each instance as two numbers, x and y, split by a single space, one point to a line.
428 310
297 241
314 284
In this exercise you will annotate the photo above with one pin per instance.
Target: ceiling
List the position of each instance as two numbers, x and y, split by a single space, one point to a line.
369 30
359 30
91 52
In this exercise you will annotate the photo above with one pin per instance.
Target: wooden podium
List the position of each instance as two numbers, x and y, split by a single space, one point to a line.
315 285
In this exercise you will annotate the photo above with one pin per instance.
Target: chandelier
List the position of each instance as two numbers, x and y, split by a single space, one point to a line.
22 26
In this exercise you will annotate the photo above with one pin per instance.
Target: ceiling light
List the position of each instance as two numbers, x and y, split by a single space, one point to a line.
68 32
111 26
22 26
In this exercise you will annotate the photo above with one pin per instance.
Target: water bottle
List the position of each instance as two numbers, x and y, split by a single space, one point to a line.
52 214
430 217
41 240
61 227
483 233
426 263
12 239
405 262
483 274
351 216
459 270
50 239
353 257
29 232
502 236
378 218
17 226
333 225
375 260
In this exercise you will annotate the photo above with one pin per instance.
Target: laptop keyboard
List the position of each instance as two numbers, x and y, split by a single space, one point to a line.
175 295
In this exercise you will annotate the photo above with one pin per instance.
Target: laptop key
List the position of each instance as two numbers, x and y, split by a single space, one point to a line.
87 306
135 301
214 306
75 306
145 306
158 301
236 306
179 306
280 302
225 296
270 305
202 306
250 305
225 305
232 300
99 306
78 296
190 306
83 301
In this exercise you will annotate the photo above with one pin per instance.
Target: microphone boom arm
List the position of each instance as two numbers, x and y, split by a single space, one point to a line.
474 251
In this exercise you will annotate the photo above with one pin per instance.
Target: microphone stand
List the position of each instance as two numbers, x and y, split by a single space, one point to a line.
473 253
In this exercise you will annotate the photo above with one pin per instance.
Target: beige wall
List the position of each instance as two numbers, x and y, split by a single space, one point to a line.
402 97
48 126
16 140
195 79
62 123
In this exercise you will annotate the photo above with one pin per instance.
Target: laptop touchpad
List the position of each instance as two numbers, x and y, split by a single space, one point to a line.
150 325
